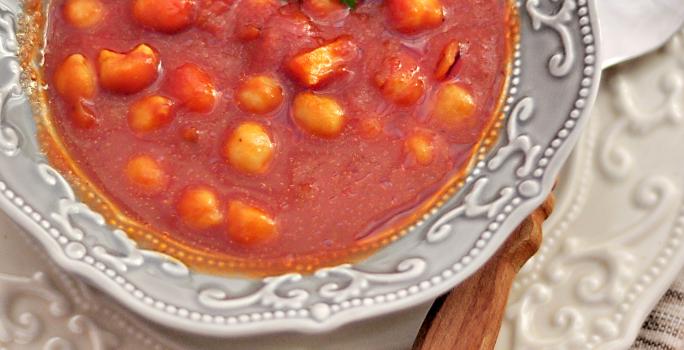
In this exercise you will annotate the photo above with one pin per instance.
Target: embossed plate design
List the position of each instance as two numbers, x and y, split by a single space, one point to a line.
554 82
614 244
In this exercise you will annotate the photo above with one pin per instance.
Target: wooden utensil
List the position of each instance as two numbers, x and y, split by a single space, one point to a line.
469 317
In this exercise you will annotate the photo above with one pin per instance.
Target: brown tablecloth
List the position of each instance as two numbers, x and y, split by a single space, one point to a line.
664 327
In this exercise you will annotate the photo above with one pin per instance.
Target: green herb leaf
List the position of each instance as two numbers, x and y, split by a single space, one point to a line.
350 3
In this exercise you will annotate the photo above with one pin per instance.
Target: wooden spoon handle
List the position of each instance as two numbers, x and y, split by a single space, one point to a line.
469 317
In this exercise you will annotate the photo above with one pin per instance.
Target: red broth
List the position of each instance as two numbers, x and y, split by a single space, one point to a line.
357 123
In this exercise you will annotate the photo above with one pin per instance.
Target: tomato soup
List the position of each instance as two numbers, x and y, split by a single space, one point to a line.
266 134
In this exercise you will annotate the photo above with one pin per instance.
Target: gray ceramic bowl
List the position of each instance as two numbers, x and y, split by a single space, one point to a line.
555 78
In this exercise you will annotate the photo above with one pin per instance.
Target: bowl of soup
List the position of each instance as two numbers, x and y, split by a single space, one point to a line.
249 166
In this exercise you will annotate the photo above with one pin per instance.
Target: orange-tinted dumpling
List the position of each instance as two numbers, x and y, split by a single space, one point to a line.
200 208
259 94
321 64
146 174
193 87
249 148
128 72
150 113
318 115
249 225
411 16
83 13
164 15
453 105
400 80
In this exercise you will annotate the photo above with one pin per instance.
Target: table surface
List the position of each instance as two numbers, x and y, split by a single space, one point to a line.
611 248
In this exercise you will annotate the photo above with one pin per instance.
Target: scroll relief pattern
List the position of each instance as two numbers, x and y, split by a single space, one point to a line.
606 275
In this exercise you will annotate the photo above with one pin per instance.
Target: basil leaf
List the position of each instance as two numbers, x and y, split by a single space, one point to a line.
350 3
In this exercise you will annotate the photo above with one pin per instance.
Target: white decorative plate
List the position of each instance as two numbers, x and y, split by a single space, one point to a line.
554 79
614 244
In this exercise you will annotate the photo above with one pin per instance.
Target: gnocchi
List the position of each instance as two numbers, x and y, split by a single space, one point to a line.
83 13
150 113
400 80
411 16
259 94
128 72
146 174
317 66
319 115
193 87
167 16
454 105
200 208
249 225
249 148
